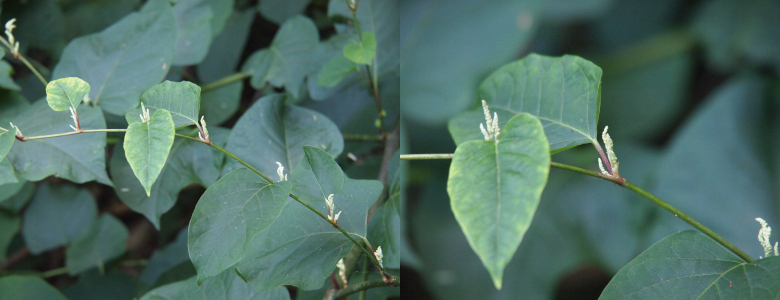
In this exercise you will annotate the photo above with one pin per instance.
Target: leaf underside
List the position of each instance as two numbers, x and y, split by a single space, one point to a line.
495 188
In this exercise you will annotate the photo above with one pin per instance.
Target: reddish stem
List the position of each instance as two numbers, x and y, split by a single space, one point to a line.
604 159
335 282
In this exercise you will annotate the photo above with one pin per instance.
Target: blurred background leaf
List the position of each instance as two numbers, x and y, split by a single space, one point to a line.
690 92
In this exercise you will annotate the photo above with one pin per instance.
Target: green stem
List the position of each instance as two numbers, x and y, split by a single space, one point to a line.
668 207
364 279
426 156
224 81
362 137
630 186
323 216
134 263
37 137
55 272
689 220
19 56
365 285
355 21
373 80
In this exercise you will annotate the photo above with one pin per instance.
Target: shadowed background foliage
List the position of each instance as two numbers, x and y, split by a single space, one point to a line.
690 94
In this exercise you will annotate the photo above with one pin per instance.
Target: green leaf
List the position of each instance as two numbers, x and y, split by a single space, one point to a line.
435 87
193 19
6 141
181 99
381 18
56 216
226 286
28 287
225 51
9 226
735 33
222 103
278 11
363 52
317 176
92 285
495 189
66 93
272 131
165 259
688 264
300 248
100 14
551 247
147 146
99 243
385 227
78 158
6 81
15 196
188 162
7 174
222 10
286 62
335 70
124 60
228 216
563 92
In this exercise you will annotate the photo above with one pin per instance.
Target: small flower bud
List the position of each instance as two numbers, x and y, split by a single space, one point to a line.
379 256
144 114
205 136
342 272
492 131
763 237
280 172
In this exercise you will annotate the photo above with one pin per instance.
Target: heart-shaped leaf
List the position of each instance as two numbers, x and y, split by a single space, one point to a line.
690 265
228 215
495 187
181 99
563 92
334 71
286 61
363 52
189 162
147 145
65 93
300 248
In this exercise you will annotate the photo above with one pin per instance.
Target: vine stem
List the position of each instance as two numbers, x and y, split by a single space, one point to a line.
224 81
426 156
231 155
20 57
630 186
372 80
365 285
362 137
